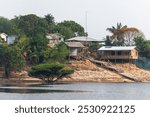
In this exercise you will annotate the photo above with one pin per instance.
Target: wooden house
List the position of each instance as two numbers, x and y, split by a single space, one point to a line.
76 50
86 41
54 39
118 52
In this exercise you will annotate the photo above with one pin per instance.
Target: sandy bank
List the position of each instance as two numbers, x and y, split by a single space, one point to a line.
86 71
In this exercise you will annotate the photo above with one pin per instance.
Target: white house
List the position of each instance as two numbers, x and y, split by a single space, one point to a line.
118 52
11 39
4 36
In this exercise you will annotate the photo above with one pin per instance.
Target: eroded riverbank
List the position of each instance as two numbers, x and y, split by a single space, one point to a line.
86 71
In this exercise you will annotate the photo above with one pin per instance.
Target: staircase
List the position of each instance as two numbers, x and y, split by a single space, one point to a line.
111 67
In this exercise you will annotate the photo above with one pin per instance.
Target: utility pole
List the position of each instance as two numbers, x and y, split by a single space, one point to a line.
86 34
86 26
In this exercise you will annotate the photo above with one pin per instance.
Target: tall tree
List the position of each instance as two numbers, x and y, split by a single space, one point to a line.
11 59
51 23
31 25
70 29
117 34
143 47
35 49
7 26
123 35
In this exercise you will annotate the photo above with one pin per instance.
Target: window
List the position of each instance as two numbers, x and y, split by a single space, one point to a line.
113 53
119 53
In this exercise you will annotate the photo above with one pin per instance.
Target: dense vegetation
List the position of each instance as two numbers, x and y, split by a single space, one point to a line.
30 48
11 59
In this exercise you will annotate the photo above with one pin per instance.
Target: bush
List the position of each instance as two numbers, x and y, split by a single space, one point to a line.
50 72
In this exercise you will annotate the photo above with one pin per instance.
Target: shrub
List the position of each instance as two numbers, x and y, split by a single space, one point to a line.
50 72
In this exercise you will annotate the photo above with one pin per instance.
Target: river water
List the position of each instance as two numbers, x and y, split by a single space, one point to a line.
78 91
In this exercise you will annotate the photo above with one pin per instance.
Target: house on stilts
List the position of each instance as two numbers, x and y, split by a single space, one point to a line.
123 53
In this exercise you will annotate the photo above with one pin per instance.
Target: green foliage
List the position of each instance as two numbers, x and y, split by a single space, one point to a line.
49 71
1 40
6 26
51 23
70 29
31 24
35 49
11 59
94 46
143 47
108 41
57 53
32 44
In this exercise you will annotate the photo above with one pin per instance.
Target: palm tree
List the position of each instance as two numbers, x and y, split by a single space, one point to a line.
117 32
123 35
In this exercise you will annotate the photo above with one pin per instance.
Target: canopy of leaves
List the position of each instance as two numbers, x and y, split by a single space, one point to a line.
70 29
7 26
58 53
35 49
50 71
143 47
31 24
11 59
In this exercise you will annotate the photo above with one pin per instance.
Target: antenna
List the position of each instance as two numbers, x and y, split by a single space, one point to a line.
86 26
86 44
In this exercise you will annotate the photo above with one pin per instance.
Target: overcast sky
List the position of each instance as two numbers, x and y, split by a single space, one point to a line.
100 13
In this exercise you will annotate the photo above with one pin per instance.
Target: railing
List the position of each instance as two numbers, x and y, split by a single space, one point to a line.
115 57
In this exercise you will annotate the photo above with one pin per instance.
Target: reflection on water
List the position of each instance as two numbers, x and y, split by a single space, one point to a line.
9 90
77 91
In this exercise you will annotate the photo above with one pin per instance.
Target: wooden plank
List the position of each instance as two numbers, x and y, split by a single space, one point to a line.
130 77
117 70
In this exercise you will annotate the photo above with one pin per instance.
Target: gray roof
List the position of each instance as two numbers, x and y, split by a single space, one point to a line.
123 48
75 44
82 38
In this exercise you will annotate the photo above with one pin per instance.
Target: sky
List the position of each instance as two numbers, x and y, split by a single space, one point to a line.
101 14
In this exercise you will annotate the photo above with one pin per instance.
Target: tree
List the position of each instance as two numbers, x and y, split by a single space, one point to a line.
58 53
51 23
108 41
31 25
5 25
123 35
70 29
50 72
94 46
143 47
129 34
11 59
35 49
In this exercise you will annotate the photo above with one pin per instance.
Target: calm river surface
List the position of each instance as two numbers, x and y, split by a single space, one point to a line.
78 91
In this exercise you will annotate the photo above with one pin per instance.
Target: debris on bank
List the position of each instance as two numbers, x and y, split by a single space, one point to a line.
107 72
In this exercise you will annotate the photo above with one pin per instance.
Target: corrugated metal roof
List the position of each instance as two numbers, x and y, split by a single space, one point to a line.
117 48
82 38
75 44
